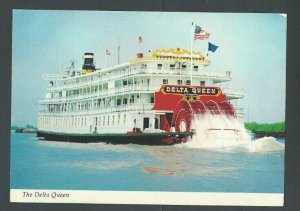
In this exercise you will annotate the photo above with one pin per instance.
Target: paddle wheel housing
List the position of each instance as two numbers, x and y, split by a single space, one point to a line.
187 102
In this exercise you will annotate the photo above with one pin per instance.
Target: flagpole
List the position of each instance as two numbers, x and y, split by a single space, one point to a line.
119 54
139 44
191 68
105 59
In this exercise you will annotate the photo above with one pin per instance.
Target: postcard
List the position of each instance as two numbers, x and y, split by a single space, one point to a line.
170 108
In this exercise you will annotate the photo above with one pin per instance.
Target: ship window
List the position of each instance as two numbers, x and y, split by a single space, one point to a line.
156 123
108 120
172 66
124 101
124 83
188 82
196 68
132 99
179 82
124 118
165 81
159 66
183 66
202 83
152 99
118 101
119 118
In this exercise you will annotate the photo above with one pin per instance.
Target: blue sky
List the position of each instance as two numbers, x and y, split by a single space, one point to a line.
251 46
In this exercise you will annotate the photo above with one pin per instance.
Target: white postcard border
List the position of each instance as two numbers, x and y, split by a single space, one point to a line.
146 197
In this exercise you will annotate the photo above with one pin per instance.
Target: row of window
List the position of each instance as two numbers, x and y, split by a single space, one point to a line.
186 82
99 103
172 66
110 120
106 120
96 88
123 71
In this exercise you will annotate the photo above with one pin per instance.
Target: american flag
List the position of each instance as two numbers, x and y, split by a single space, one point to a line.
108 52
200 34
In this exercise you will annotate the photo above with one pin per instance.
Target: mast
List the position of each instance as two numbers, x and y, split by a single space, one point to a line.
191 68
118 54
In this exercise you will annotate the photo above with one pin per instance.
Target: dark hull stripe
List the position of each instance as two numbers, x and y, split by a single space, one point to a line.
136 138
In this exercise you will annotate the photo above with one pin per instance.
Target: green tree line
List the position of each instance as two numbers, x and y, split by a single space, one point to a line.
15 127
266 127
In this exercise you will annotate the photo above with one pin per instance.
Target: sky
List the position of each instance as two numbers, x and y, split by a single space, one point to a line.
251 45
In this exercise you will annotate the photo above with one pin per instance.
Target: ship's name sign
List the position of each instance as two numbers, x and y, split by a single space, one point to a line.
191 90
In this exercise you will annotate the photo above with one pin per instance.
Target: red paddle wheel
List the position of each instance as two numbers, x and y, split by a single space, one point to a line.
227 108
185 111
213 107
198 107
182 116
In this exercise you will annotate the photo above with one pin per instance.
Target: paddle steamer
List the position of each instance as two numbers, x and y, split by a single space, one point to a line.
150 99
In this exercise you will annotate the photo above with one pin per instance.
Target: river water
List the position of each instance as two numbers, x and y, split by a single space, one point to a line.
255 166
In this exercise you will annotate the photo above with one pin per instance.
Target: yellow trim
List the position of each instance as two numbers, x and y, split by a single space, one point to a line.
86 71
177 54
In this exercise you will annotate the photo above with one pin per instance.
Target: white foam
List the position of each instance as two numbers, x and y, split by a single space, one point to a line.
223 133
87 146
102 165
266 144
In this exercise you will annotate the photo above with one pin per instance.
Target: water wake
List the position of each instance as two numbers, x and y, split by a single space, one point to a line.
101 146
266 144
225 133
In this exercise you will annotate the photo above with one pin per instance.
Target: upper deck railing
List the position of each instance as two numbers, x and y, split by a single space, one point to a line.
230 93
102 93
98 77
233 93
104 109
49 77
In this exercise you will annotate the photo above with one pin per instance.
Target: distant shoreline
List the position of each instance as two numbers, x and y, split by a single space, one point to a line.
25 130
276 130
273 134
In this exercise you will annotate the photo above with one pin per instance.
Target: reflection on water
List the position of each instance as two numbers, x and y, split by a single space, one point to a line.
175 170
179 161
86 146
100 165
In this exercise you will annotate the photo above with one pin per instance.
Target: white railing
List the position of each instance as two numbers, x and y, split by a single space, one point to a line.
49 77
100 93
233 93
102 109
100 78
